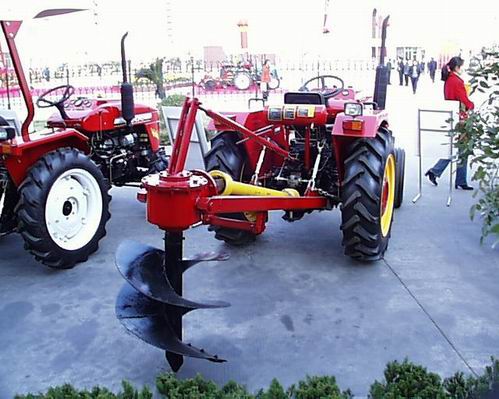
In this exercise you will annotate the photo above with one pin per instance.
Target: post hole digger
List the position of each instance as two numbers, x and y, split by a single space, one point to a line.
320 149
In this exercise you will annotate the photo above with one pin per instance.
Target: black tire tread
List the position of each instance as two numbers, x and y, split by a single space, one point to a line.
227 157
31 208
361 194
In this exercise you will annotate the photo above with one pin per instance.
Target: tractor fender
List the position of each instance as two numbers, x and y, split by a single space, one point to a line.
341 137
371 122
21 156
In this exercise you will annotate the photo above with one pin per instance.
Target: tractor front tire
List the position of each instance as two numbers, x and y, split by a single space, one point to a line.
227 157
368 196
63 208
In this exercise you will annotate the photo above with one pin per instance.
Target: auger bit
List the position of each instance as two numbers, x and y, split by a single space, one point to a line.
151 305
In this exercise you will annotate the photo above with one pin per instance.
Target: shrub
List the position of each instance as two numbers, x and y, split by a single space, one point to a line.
323 387
67 391
173 100
402 380
407 380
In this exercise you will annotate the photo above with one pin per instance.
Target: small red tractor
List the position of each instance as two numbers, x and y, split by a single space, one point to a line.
322 148
54 183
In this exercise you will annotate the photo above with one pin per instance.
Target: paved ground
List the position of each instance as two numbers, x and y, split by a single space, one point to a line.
298 305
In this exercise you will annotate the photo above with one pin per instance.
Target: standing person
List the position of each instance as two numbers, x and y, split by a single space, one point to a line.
406 72
414 72
400 69
389 70
454 89
421 67
265 79
432 67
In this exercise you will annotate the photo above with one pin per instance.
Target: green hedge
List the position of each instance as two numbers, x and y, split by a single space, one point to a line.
401 380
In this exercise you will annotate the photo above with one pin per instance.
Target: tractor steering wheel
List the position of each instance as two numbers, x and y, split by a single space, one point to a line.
326 91
43 102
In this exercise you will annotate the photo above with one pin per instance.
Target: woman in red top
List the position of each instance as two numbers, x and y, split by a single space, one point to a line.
454 90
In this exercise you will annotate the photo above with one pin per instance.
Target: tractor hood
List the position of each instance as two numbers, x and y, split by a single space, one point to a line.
99 115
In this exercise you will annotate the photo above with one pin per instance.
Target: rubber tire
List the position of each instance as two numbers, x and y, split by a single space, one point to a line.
276 86
399 177
361 196
250 80
30 210
227 157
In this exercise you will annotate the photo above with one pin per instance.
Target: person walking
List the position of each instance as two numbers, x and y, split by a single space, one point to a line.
265 79
432 67
414 72
400 69
406 73
389 71
454 89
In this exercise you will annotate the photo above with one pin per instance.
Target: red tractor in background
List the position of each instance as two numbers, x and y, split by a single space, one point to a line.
322 148
55 182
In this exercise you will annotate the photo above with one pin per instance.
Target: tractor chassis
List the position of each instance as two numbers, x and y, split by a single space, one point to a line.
178 199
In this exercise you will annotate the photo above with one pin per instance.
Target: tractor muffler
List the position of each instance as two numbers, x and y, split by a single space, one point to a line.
151 305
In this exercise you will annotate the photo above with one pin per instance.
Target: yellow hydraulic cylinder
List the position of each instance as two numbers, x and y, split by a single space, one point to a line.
227 186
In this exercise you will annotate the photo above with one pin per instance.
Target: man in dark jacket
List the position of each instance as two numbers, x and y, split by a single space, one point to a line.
400 69
414 72
406 72
432 67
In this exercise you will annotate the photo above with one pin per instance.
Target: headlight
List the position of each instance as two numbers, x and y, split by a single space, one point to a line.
6 133
353 109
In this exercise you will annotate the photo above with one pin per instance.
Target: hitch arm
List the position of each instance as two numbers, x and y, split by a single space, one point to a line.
245 132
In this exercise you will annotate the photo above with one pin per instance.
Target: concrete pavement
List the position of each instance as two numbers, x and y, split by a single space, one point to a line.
298 305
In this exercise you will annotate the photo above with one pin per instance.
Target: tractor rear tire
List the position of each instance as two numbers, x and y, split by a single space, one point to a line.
63 208
227 157
399 176
368 193
242 81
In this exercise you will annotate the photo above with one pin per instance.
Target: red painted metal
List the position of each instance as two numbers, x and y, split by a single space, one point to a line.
371 123
10 29
235 203
233 125
306 156
22 155
183 137
257 227
172 199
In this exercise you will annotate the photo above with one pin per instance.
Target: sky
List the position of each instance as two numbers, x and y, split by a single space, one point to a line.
290 28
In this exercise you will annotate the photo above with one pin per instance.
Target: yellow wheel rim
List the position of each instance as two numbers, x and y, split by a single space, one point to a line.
387 195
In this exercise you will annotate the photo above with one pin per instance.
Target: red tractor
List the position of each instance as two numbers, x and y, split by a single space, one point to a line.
322 148
55 182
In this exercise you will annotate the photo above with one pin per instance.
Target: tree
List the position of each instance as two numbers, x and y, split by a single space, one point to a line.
479 138
155 74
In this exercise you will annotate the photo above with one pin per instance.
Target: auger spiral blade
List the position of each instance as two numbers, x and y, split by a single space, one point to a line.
152 306
141 266
146 319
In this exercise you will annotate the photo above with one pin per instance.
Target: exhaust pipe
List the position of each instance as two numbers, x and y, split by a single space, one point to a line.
127 101
381 80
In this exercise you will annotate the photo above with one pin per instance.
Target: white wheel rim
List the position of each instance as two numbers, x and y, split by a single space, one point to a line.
242 81
73 209
273 83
